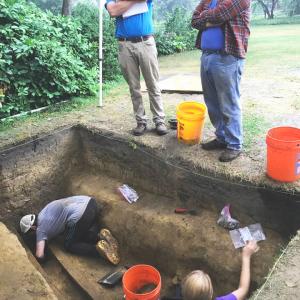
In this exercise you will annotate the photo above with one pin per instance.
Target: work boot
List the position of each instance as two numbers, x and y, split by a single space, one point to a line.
106 235
213 145
229 155
161 128
139 129
108 252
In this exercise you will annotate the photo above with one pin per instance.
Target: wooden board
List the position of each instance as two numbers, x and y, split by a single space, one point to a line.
183 84
86 271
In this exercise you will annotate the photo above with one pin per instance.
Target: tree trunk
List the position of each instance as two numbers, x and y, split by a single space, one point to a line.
268 9
66 8
274 4
297 8
265 8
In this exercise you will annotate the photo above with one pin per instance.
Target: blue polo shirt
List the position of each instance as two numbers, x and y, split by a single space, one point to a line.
137 25
213 38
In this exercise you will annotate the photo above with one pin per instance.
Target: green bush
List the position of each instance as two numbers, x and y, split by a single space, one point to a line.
111 69
175 33
43 58
88 16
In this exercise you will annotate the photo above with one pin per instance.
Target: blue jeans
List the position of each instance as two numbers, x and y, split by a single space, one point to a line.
220 76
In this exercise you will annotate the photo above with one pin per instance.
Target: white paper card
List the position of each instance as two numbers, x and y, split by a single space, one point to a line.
137 8
242 235
246 234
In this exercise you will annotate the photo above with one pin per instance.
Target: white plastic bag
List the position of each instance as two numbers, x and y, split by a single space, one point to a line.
128 193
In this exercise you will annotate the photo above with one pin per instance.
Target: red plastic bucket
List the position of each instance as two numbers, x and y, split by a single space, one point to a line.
283 153
140 276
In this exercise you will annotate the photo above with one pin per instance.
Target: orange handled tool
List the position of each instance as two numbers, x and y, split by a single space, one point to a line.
179 210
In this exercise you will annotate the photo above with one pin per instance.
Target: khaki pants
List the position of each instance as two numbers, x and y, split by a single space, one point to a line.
135 58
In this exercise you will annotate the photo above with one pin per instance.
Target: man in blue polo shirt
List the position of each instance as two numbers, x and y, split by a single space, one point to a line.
138 54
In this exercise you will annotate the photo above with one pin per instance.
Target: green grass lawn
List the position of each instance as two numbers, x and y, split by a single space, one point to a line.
269 46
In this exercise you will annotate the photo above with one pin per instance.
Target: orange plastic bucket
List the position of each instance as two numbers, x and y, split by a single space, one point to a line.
283 153
137 278
190 118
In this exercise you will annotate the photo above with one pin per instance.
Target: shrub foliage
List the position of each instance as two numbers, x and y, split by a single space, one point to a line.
175 34
43 58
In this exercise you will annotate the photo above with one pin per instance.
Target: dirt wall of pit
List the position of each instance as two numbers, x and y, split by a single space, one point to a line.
143 167
35 172
25 282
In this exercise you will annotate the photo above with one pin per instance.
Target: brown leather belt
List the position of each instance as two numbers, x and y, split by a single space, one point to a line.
135 39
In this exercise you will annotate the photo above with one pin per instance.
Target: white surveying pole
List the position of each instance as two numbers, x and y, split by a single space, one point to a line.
101 5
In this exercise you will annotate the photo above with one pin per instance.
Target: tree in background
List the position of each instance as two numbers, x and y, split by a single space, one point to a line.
162 8
268 7
57 6
52 5
292 7
66 8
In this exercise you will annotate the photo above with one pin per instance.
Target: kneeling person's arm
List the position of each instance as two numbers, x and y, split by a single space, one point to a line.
40 250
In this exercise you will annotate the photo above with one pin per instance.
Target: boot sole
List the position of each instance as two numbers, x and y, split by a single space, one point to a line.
108 252
106 235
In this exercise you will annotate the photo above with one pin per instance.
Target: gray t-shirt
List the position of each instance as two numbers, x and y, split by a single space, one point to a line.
55 215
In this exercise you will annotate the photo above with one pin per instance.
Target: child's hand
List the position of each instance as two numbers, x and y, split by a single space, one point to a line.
250 248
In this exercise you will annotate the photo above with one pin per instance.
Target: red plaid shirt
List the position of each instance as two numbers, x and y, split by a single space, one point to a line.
234 15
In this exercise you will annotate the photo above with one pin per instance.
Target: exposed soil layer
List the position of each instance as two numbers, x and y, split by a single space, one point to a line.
19 278
284 281
79 161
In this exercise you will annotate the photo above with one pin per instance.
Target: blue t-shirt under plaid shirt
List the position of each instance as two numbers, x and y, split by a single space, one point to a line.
213 37
134 26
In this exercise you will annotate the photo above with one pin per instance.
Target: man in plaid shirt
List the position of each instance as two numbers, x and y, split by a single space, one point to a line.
223 38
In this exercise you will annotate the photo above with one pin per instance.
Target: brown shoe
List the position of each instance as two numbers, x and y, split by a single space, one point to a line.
139 129
161 128
108 252
229 155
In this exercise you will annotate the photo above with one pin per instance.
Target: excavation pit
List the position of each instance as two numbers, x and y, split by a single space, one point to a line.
82 161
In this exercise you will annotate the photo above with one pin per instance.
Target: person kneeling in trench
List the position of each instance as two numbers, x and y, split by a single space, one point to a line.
77 217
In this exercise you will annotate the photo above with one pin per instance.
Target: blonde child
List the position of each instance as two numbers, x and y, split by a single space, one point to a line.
197 285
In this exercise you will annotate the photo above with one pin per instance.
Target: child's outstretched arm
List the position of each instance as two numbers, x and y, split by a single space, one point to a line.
244 285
